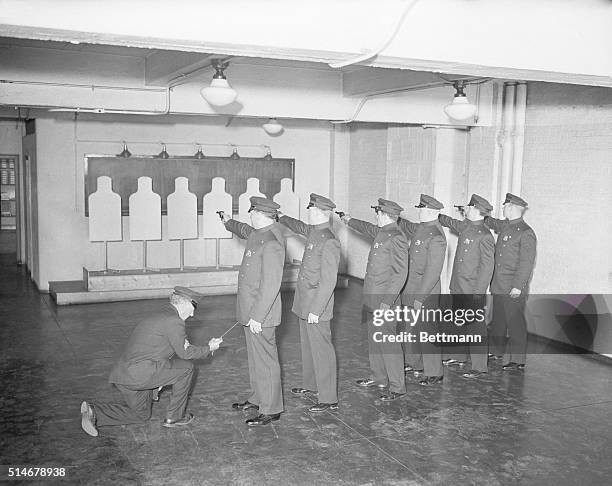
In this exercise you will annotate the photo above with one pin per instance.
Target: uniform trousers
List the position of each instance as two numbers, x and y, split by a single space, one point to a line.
177 372
264 370
319 360
425 356
386 358
476 351
509 320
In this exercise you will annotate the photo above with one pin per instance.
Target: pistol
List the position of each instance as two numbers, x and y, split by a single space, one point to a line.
340 213
220 213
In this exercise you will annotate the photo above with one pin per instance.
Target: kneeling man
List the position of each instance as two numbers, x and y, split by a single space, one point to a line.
158 354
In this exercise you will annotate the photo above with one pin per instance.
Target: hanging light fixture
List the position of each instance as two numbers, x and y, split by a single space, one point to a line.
163 154
235 155
199 154
219 93
268 155
460 108
125 152
272 127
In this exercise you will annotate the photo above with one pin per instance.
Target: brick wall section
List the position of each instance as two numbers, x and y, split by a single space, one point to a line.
480 169
367 182
567 174
411 152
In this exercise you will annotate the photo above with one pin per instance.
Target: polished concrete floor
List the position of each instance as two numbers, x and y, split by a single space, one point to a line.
551 424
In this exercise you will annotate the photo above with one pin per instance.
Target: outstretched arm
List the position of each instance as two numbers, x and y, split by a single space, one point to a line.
364 227
295 225
408 227
182 347
494 224
242 230
454 224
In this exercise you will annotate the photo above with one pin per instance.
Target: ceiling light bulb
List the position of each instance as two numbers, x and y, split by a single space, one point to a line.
219 93
125 153
199 154
272 127
163 154
460 108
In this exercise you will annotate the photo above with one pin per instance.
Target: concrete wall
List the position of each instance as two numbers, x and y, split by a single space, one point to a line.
63 143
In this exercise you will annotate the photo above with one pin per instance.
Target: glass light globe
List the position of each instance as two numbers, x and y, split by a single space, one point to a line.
460 108
272 127
219 93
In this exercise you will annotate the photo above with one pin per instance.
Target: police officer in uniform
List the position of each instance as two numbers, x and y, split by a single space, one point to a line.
157 354
313 302
472 272
422 290
258 306
386 274
515 253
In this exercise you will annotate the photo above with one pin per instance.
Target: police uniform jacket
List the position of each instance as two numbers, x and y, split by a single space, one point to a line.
474 260
318 274
153 342
387 266
427 253
515 253
261 273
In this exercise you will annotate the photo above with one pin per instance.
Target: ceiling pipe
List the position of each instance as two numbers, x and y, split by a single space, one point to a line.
509 117
520 104
382 47
363 100
165 111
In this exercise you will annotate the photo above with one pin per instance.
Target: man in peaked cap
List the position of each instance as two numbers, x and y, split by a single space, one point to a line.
472 272
258 306
158 354
313 302
515 253
422 290
386 273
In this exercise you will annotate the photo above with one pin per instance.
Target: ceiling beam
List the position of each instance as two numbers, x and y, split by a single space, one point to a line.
163 66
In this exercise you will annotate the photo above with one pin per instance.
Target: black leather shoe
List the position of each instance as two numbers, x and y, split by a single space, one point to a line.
368 382
409 368
302 391
389 397
262 419
453 362
513 366
495 356
431 380
475 374
246 405
185 420
322 407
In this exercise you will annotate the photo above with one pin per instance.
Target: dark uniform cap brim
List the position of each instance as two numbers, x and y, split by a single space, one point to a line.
390 207
511 198
480 202
263 205
192 295
321 202
430 202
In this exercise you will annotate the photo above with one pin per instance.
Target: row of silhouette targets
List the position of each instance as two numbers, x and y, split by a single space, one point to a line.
145 213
